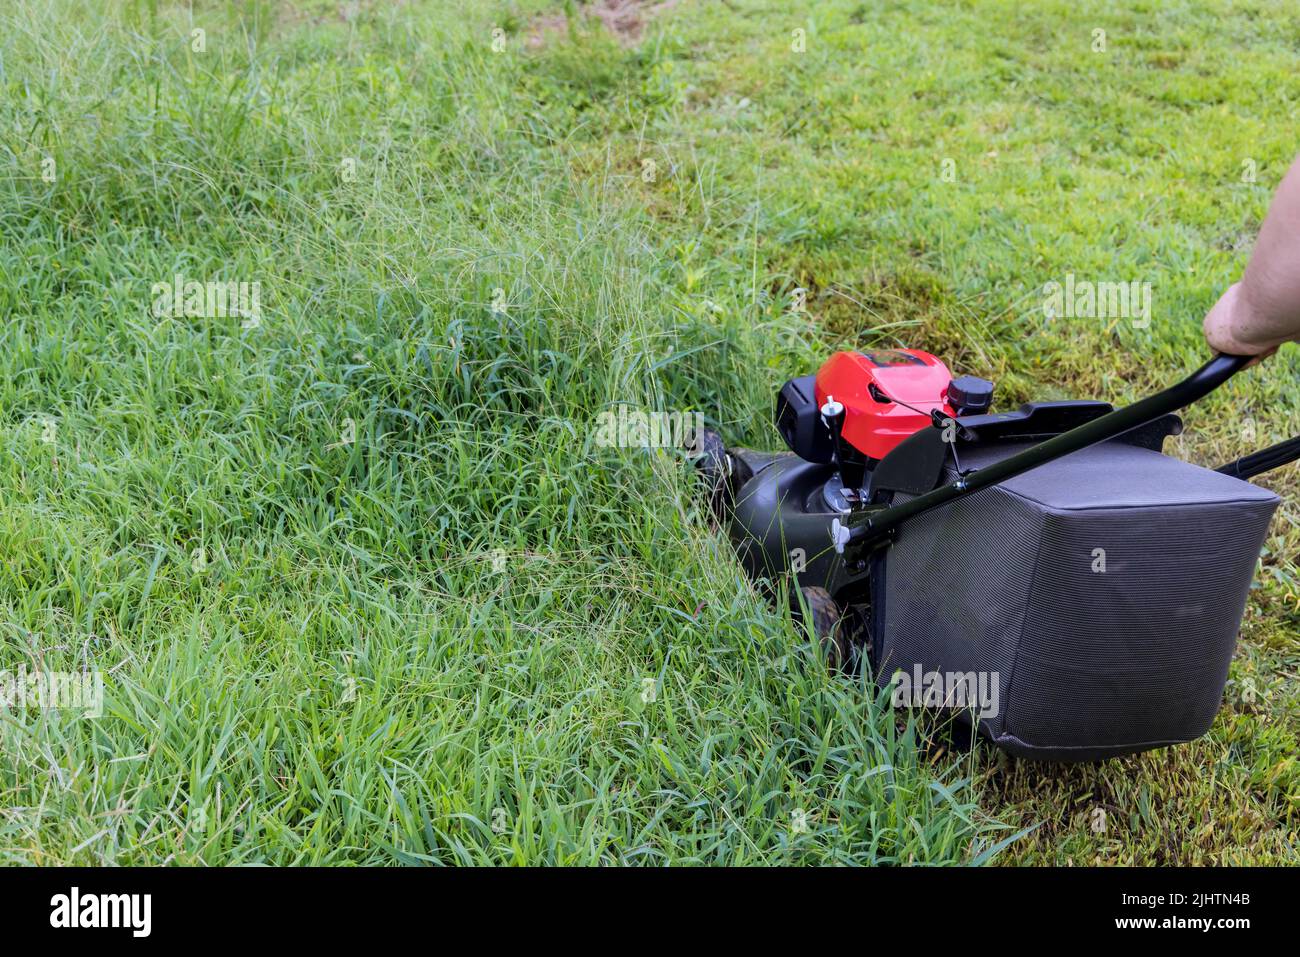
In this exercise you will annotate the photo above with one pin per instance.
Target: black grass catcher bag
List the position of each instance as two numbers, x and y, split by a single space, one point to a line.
1100 594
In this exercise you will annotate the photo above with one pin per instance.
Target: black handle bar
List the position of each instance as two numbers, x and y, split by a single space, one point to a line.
868 527
1265 460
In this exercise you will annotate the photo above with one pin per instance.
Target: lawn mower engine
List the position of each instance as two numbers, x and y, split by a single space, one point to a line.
1050 561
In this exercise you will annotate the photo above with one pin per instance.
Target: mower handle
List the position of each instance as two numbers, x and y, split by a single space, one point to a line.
1265 460
868 527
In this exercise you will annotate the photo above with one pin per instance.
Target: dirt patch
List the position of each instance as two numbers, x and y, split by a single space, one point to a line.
319 12
624 19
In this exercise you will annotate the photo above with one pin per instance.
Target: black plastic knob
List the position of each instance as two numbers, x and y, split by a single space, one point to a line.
970 395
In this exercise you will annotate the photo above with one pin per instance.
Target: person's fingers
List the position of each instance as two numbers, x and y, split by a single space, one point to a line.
1221 325
1261 357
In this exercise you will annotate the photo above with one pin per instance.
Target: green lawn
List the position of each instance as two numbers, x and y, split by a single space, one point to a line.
362 584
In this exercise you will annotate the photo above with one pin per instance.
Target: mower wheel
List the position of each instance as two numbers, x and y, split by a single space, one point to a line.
830 627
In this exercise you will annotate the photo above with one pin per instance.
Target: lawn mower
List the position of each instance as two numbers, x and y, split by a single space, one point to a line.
1053 551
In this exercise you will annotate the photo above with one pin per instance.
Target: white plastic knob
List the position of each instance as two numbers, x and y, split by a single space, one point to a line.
839 535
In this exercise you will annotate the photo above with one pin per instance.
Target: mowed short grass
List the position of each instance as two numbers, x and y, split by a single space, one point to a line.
363 586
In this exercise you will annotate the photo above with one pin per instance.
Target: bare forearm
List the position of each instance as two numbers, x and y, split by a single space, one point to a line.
1263 310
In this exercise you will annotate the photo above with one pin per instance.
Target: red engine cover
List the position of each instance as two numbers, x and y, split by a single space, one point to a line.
909 375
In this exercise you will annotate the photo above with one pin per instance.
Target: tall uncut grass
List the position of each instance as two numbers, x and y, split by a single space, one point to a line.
361 584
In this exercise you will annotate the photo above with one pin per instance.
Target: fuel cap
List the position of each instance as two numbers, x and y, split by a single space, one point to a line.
970 395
